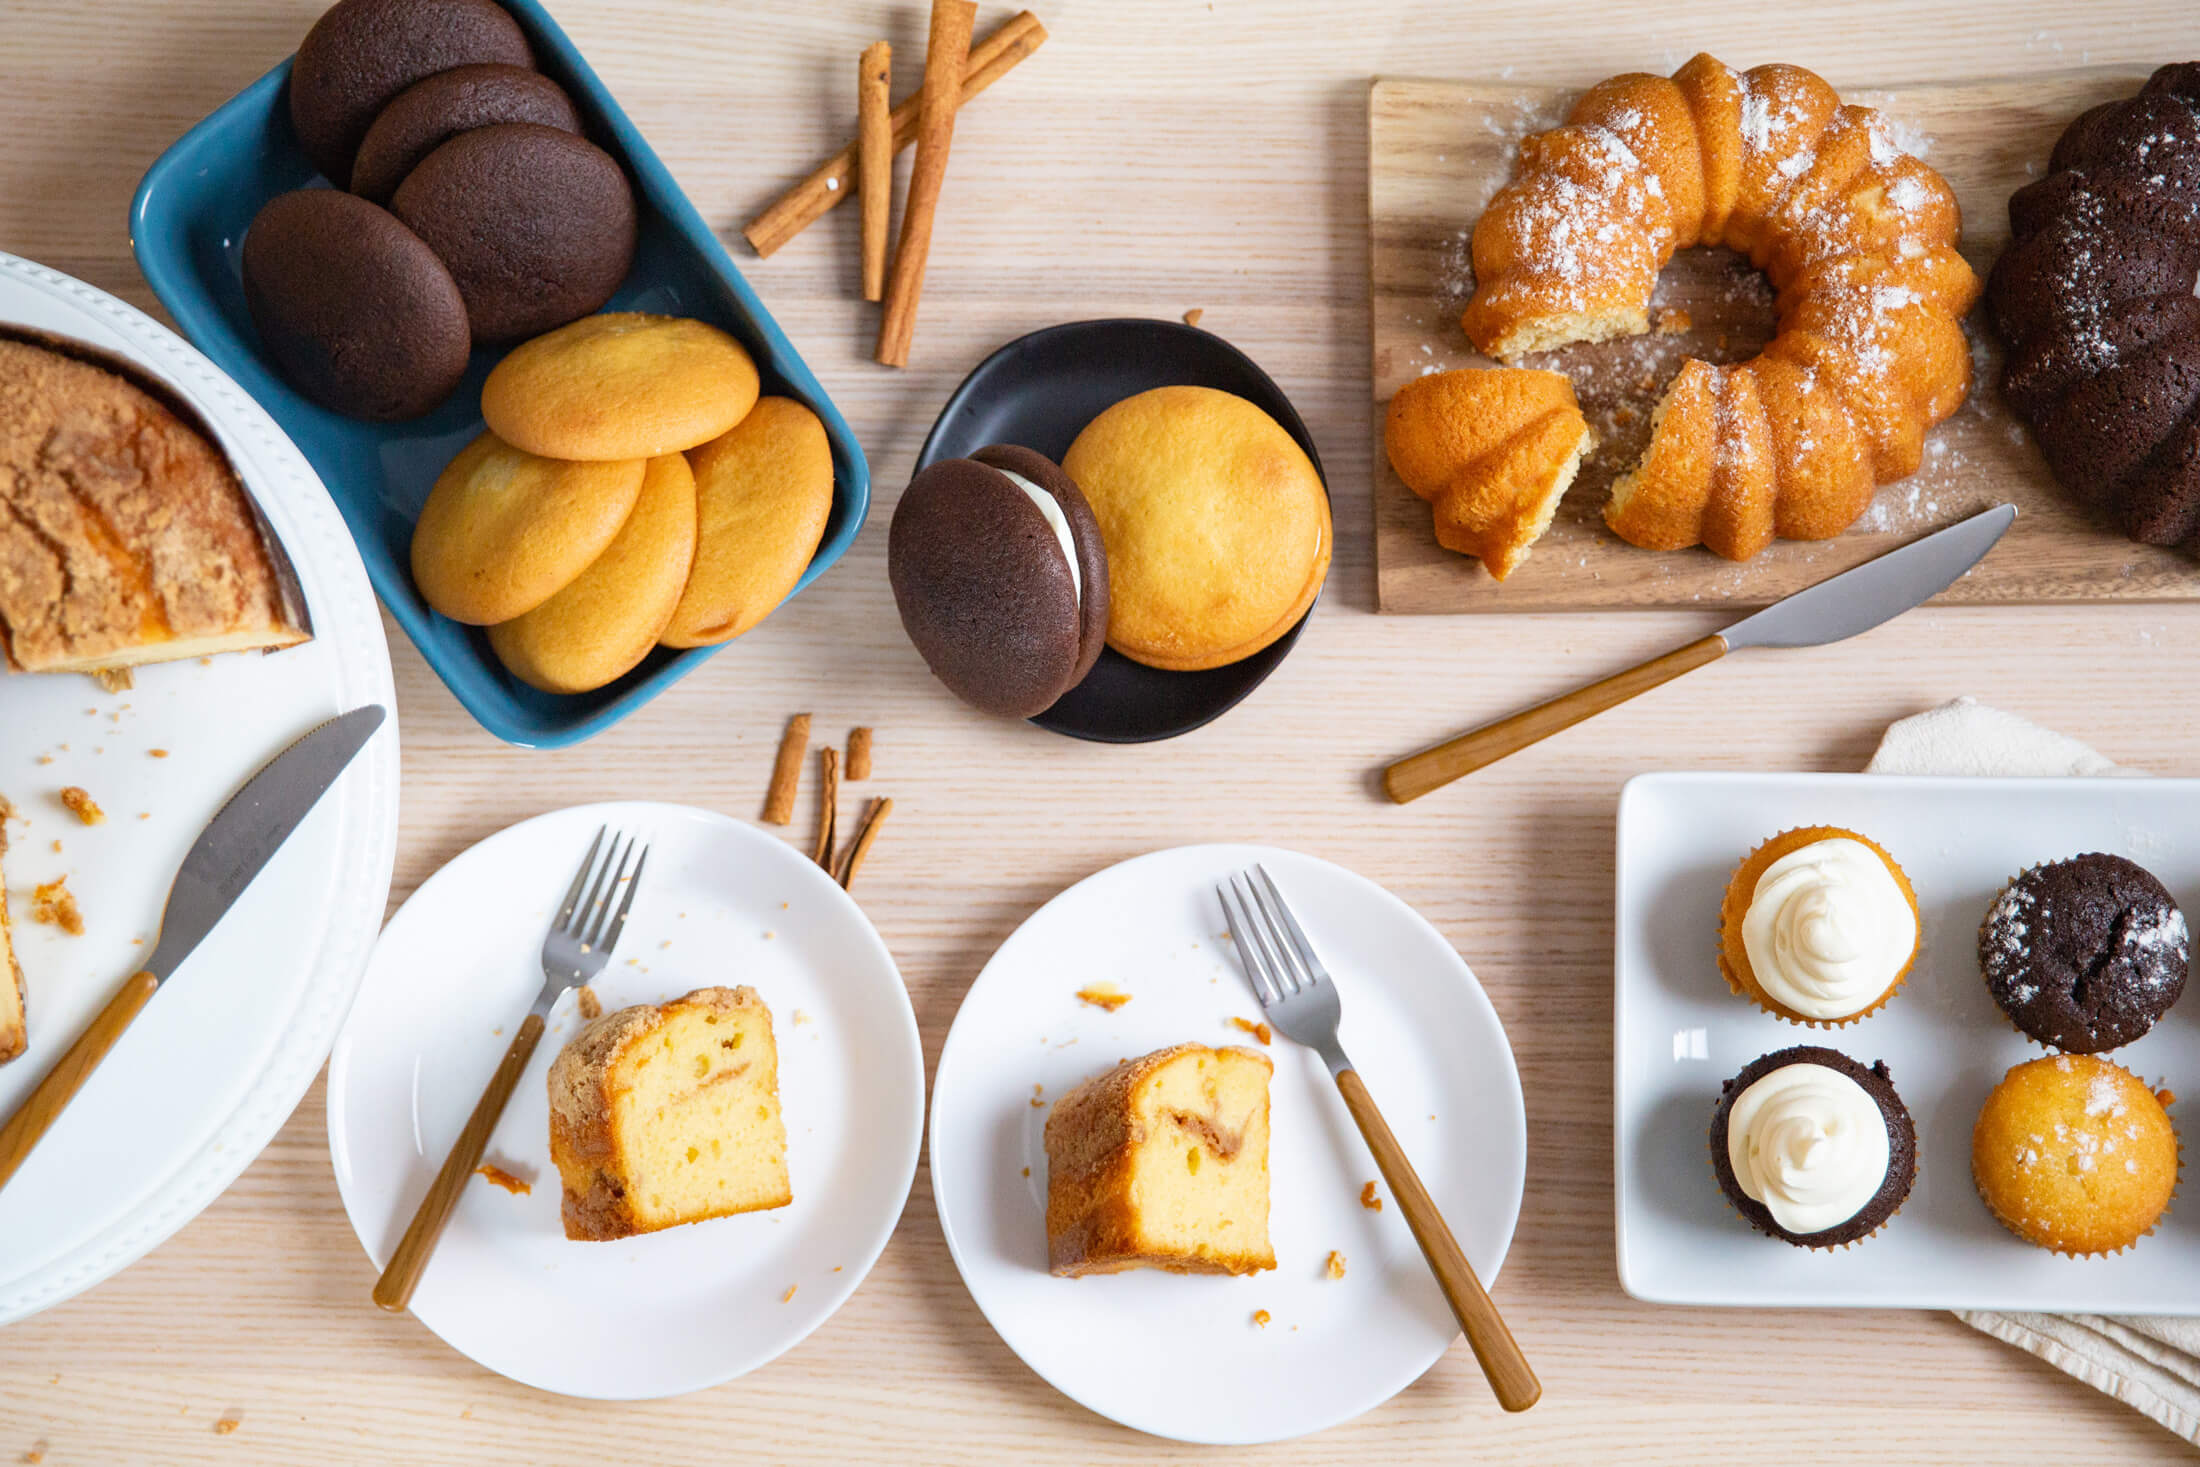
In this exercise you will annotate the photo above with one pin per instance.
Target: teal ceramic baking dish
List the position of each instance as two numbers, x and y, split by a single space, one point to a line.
187 227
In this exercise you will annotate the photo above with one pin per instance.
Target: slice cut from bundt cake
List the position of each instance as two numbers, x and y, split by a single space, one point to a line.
1162 1162
1856 235
663 1114
1492 451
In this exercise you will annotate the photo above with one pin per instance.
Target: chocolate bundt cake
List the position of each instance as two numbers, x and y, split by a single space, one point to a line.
2094 300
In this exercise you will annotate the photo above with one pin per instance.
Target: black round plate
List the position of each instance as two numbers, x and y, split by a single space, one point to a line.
1040 391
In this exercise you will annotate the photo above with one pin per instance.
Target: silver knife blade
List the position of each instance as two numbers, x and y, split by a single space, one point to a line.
248 830
1880 589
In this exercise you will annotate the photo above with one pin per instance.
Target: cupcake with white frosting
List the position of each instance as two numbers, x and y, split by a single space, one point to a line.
1813 1148
1819 926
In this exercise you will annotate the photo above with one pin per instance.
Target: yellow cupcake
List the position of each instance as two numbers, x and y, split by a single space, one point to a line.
1818 926
597 629
620 385
2075 1154
763 493
1216 525
503 531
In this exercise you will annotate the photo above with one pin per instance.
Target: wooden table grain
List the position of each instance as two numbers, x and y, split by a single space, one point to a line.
1156 156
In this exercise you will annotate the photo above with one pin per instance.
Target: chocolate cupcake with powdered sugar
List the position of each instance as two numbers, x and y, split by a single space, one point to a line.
2086 954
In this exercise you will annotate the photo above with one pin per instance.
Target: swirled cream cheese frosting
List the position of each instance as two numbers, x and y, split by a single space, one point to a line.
1828 929
1808 1143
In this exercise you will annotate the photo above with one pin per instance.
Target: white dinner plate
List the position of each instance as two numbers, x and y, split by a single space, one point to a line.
1183 1356
665 1313
216 1063
1678 1033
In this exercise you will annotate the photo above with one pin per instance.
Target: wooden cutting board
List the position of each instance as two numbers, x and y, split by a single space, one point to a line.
1439 149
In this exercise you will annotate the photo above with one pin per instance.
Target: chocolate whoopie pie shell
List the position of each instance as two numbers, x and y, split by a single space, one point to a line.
357 312
1084 533
432 111
1901 1146
362 53
983 590
2085 954
536 225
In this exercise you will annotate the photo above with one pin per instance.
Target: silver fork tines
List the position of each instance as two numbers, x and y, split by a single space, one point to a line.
1289 980
593 914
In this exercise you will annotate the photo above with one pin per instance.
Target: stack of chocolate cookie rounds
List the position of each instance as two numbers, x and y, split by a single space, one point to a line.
469 208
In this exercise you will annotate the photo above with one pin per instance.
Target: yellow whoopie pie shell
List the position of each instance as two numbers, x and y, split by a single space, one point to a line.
1216 525
619 385
595 630
763 492
503 531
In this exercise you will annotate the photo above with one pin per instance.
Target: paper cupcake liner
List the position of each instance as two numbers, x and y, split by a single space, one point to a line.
1780 1235
1731 913
2177 1180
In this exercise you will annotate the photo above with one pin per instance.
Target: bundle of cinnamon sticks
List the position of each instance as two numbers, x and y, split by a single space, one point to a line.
954 73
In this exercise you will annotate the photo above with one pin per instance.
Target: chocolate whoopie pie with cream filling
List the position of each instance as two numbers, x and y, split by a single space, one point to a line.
1001 578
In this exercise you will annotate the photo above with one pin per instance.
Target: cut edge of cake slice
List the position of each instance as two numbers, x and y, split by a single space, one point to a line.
1133 1160
14 1031
667 1114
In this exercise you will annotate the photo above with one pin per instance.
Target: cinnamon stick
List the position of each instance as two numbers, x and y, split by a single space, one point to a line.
860 847
787 771
828 808
875 157
946 55
834 179
859 753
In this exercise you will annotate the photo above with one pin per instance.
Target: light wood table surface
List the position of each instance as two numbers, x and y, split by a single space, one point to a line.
1156 155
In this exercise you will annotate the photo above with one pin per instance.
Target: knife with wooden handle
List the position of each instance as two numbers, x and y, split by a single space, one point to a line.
1856 600
236 843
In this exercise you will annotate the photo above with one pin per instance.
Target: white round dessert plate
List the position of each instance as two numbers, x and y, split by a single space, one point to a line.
722 903
219 1058
1182 1356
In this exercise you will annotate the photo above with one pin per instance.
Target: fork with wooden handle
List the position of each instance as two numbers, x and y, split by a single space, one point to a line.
580 942
1299 999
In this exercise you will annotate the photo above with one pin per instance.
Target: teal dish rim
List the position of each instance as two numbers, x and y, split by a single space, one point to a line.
186 223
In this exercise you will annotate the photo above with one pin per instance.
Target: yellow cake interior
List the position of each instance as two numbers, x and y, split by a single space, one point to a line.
666 1114
1163 1163
12 1035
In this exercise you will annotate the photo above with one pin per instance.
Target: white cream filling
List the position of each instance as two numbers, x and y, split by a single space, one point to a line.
1058 522
1810 1144
1827 929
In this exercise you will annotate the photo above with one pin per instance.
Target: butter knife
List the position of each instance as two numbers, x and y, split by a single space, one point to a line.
236 843
1856 600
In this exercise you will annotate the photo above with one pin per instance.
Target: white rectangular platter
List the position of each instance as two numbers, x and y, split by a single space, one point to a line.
1678 1032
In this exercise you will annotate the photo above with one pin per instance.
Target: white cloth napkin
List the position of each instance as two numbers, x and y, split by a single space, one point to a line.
2150 1363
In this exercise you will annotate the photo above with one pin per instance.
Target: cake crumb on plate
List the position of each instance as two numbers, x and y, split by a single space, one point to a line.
1103 996
54 904
1369 1200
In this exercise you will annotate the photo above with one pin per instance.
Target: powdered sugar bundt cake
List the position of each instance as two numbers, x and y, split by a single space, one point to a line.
1492 451
1857 236
2095 300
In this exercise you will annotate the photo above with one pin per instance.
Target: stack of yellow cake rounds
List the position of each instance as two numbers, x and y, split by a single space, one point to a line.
632 490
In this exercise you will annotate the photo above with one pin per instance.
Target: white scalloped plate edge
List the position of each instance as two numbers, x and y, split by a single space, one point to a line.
348 621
